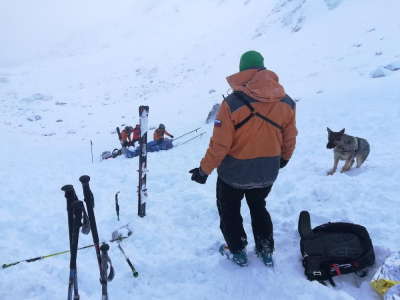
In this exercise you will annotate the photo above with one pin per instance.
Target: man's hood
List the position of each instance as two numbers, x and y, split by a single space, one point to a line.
261 85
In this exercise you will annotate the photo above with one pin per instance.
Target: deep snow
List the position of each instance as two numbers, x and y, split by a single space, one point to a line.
92 64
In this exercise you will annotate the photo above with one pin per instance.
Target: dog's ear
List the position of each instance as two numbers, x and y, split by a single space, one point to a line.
342 131
329 131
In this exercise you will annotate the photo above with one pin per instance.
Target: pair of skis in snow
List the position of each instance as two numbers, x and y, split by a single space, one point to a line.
142 189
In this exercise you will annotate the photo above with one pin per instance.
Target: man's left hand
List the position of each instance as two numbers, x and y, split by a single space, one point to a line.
283 163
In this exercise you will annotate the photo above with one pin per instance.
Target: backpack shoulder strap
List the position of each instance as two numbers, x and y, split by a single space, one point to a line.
253 113
304 226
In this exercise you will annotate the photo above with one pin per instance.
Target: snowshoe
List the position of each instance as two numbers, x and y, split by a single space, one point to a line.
240 258
266 258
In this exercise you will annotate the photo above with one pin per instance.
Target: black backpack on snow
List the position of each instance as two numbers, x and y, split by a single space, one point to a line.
333 249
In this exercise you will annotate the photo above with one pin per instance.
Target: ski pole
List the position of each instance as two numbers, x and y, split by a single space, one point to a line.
186 133
105 261
71 197
116 236
116 204
55 254
135 273
89 200
77 209
201 134
91 149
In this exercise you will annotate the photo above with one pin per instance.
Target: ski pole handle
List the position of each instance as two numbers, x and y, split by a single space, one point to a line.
89 200
87 193
77 209
69 194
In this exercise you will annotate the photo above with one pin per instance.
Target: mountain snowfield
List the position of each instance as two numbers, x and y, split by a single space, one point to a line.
70 72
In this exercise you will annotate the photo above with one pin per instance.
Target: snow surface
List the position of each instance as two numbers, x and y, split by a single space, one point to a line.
70 72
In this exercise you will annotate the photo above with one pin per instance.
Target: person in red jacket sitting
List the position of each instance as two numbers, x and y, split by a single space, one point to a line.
136 135
159 134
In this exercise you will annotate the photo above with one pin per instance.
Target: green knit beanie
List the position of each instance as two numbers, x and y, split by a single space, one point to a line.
251 60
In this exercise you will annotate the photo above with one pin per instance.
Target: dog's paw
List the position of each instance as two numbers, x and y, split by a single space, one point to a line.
331 172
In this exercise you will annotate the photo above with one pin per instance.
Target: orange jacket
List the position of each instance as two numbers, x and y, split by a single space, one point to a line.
249 157
159 134
125 137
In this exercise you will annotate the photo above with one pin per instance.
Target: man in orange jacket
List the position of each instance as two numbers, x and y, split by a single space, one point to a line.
254 136
159 134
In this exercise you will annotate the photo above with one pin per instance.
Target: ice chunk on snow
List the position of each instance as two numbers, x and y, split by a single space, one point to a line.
394 66
332 4
378 73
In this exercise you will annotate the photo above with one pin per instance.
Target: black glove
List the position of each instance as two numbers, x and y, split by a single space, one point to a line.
172 136
283 163
198 175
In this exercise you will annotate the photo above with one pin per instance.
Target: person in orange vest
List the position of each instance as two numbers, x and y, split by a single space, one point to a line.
126 136
136 135
159 134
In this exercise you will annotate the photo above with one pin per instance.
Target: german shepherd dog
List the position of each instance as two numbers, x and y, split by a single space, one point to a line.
347 147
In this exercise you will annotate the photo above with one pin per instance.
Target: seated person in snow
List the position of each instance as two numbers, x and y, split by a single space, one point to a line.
159 134
126 136
136 135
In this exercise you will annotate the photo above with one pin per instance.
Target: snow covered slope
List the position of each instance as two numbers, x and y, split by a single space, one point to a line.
70 72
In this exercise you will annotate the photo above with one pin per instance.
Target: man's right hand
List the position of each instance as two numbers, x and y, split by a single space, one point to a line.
199 175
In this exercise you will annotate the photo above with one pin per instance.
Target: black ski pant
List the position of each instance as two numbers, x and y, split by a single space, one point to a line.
231 222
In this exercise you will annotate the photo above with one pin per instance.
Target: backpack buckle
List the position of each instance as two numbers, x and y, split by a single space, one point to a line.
317 273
